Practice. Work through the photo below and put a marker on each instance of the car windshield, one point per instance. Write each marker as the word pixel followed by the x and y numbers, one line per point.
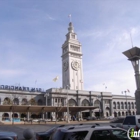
pixel 120 134
pixel 51 129
pixel 58 134
pixel 64 135
pixel 130 120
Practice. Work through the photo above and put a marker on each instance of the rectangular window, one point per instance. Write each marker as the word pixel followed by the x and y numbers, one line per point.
pixel 73 36
pixel 56 100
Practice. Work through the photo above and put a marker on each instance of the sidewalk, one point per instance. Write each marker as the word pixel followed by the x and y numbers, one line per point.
pixel 59 122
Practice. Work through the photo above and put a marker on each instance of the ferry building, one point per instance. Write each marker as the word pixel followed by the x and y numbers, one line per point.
pixel 72 93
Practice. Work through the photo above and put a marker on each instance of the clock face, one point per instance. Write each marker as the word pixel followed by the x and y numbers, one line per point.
pixel 65 66
pixel 75 65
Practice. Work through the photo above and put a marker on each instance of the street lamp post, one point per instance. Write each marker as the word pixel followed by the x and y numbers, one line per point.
pixel 98 97
pixel 126 103
pixel 68 121
pixel 133 55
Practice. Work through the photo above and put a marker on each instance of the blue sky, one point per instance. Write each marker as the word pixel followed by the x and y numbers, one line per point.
pixel 32 33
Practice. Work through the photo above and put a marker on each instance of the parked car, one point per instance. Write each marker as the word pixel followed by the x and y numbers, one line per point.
pixel 93 132
pixel 110 117
pixel 46 134
pixel 118 120
pixel 90 118
pixel 8 135
pixel 131 122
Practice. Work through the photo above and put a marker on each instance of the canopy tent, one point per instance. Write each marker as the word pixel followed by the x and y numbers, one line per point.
pixel 34 108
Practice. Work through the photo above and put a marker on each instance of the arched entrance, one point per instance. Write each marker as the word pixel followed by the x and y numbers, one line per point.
pixel 85 114
pixel 15 115
pixel 5 117
pixel 72 102
pixel 23 115
pixel 97 111
pixel 107 111
pixel 115 114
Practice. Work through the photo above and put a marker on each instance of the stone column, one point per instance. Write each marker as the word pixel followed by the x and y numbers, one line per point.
pixel 1 116
pixel 79 102
pixel 28 115
pixel 46 97
pixel 52 102
pixel 111 107
pixel 10 115
pixel 91 111
pixel 103 108
pixel 42 115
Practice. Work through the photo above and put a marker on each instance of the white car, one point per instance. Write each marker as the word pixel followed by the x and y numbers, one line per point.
pixel 90 133
pixel 131 122
pixel 110 117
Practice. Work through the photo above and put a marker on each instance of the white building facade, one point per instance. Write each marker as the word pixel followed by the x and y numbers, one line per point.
pixel 71 93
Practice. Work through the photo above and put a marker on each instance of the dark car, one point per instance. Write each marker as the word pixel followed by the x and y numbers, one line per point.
pixel 8 135
pixel 46 134
pixel 118 120
pixel 90 118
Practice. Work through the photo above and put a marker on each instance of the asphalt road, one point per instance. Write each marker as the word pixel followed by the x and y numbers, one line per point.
pixel 19 129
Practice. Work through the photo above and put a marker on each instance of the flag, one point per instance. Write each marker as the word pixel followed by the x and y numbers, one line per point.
pixel 56 78
pixel 69 17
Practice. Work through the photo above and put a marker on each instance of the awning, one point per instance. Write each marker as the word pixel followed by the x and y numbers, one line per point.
pixel 34 108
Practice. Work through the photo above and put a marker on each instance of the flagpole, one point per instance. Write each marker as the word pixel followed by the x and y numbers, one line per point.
pixel 126 102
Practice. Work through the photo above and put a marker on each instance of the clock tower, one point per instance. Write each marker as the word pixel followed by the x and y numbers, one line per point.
pixel 72 67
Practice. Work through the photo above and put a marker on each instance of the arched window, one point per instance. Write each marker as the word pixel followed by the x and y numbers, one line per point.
pixel 97 103
pixel 72 102
pixel 16 101
pixel 122 105
pixel 7 101
pixel 118 105
pixel 40 102
pixel 114 105
pixel 85 102
pixel 132 104
pixel 32 101
pixel 125 105
pixel 24 101
pixel 129 106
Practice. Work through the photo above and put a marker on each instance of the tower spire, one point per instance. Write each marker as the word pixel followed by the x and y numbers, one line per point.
pixel 71 28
